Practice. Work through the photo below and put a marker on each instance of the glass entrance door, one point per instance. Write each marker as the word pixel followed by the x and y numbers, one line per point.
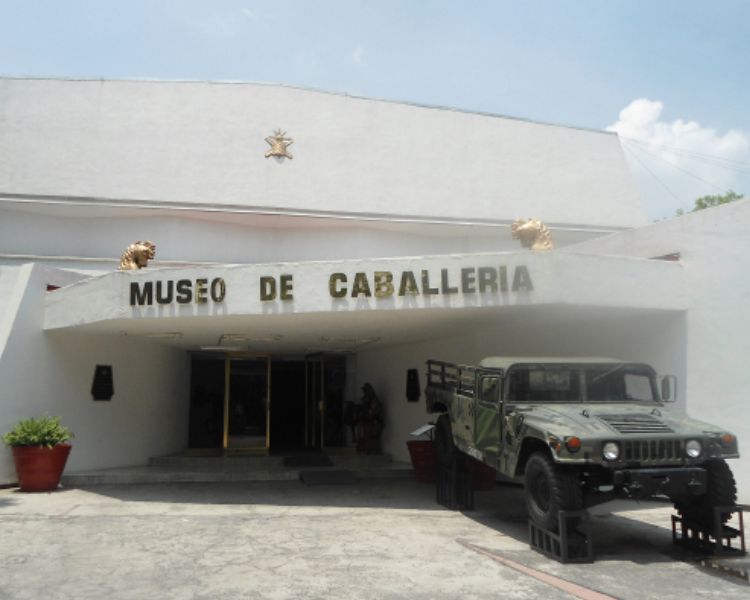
pixel 325 378
pixel 247 403
pixel 229 402
pixel 314 405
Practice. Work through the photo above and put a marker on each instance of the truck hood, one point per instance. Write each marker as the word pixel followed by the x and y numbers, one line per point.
pixel 612 419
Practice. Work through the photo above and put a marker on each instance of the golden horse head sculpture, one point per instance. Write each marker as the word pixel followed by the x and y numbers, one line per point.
pixel 533 234
pixel 137 255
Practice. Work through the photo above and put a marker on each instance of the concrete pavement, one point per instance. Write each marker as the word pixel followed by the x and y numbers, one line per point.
pixel 279 540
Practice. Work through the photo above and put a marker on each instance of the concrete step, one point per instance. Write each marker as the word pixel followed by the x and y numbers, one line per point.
pixel 177 469
pixel 149 474
pixel 229 462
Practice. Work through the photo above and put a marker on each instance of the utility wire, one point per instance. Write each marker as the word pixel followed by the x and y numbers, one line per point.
pixel 693 153
pixel 698 177
pixel 650 172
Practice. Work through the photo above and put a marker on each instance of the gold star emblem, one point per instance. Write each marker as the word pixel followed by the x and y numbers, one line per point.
pixel 279 144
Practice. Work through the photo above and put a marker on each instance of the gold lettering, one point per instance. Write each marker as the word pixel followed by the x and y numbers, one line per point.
pixel 267 289
pixel 361 286
pixel 383 284
pixel 487 279
pixel 522 280
pixel 408 284
pixel 333 289
pixel 286 287
pixel 426 289
pixel 503 272
pixel 218 290
pixel 468 281
pixel 445 288
pixel 201 289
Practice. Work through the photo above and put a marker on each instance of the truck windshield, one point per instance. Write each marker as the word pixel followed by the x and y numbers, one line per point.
pixel 610 382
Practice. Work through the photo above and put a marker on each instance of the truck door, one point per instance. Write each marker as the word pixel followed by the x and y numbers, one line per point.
pixel 487 417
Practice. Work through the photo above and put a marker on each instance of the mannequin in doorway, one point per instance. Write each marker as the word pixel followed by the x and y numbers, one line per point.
pixel 369 421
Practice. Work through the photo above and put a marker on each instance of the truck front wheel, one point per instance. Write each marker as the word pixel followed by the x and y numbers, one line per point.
pixel 721 490
pixel 550 489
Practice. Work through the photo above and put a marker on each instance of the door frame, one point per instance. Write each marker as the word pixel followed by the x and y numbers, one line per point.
pixel 317 382
pixel 314 412
pixel 228 356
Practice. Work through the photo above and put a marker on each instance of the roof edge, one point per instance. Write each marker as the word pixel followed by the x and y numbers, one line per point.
pixel 309 89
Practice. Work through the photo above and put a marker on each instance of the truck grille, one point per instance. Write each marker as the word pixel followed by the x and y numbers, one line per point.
pixel 635 424
pixel 652 450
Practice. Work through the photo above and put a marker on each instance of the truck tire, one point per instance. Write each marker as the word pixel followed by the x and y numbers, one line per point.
pixel 447 453
pixel 550 488
pixel 721 490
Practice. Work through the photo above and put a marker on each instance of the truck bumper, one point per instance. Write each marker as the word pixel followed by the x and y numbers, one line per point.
pixel 642 483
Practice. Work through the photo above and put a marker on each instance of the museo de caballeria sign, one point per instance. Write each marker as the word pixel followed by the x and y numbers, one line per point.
pixel 340 285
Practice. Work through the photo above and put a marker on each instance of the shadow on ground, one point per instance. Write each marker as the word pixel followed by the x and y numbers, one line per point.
pixel 380 493
pixel 617 537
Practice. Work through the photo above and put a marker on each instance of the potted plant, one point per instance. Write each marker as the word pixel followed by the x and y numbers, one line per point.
pixel 40 452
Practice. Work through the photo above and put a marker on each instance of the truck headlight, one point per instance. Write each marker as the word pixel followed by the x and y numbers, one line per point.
pixel 693 449
pixel 611 451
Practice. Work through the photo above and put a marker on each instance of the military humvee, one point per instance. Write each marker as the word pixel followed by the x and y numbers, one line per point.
pixel 580 431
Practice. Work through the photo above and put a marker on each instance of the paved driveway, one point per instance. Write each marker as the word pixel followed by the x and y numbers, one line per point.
pixel 375 539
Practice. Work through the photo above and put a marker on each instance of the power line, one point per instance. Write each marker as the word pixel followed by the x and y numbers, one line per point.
pixel 650 172
pixel 698 177
pixel 693 153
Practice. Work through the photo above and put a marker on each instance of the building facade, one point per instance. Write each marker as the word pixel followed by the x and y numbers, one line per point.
pixel 308 243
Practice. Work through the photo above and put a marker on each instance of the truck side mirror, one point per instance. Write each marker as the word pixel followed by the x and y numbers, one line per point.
pixel 669 388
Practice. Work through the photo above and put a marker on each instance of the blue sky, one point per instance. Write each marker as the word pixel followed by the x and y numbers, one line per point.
pixel 682 68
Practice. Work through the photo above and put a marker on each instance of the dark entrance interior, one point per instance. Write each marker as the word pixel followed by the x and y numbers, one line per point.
pixel 207 375
pixel 287 405
pixel 231 407
pixel 325 382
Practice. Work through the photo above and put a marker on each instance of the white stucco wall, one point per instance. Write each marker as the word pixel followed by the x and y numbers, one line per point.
pixel 52 374
pixel 714 246
pixel 94 238
pixel 196 143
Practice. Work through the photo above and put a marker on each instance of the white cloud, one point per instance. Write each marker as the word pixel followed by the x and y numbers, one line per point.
pixel 685 159
pixel 358 55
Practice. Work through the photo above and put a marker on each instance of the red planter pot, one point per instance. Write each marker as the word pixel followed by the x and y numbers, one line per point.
pixel 423 459
pixel 38 468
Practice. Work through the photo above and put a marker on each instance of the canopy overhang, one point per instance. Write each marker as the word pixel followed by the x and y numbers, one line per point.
pixel 351 304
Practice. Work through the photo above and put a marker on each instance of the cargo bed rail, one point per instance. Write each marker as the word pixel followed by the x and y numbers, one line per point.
pixel 460 379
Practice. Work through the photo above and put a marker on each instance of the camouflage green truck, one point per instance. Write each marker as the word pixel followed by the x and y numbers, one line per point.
pixel 580 431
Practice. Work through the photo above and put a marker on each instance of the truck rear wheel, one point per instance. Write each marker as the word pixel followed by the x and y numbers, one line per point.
pixel 721 490
pixel 550 489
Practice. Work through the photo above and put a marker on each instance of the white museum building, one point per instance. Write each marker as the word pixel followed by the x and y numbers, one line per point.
pixel 308 243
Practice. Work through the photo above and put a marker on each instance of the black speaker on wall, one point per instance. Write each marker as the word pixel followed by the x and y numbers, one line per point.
pixel 413 391
pixel 103 386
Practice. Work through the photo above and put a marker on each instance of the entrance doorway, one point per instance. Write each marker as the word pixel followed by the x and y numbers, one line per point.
pixel 247 411
pixel 251 403
pixel 288 405
pixel 229 402
pixel 325 385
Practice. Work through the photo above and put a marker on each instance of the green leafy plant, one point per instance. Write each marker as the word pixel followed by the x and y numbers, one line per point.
pixel 709 201
pixel 44 431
